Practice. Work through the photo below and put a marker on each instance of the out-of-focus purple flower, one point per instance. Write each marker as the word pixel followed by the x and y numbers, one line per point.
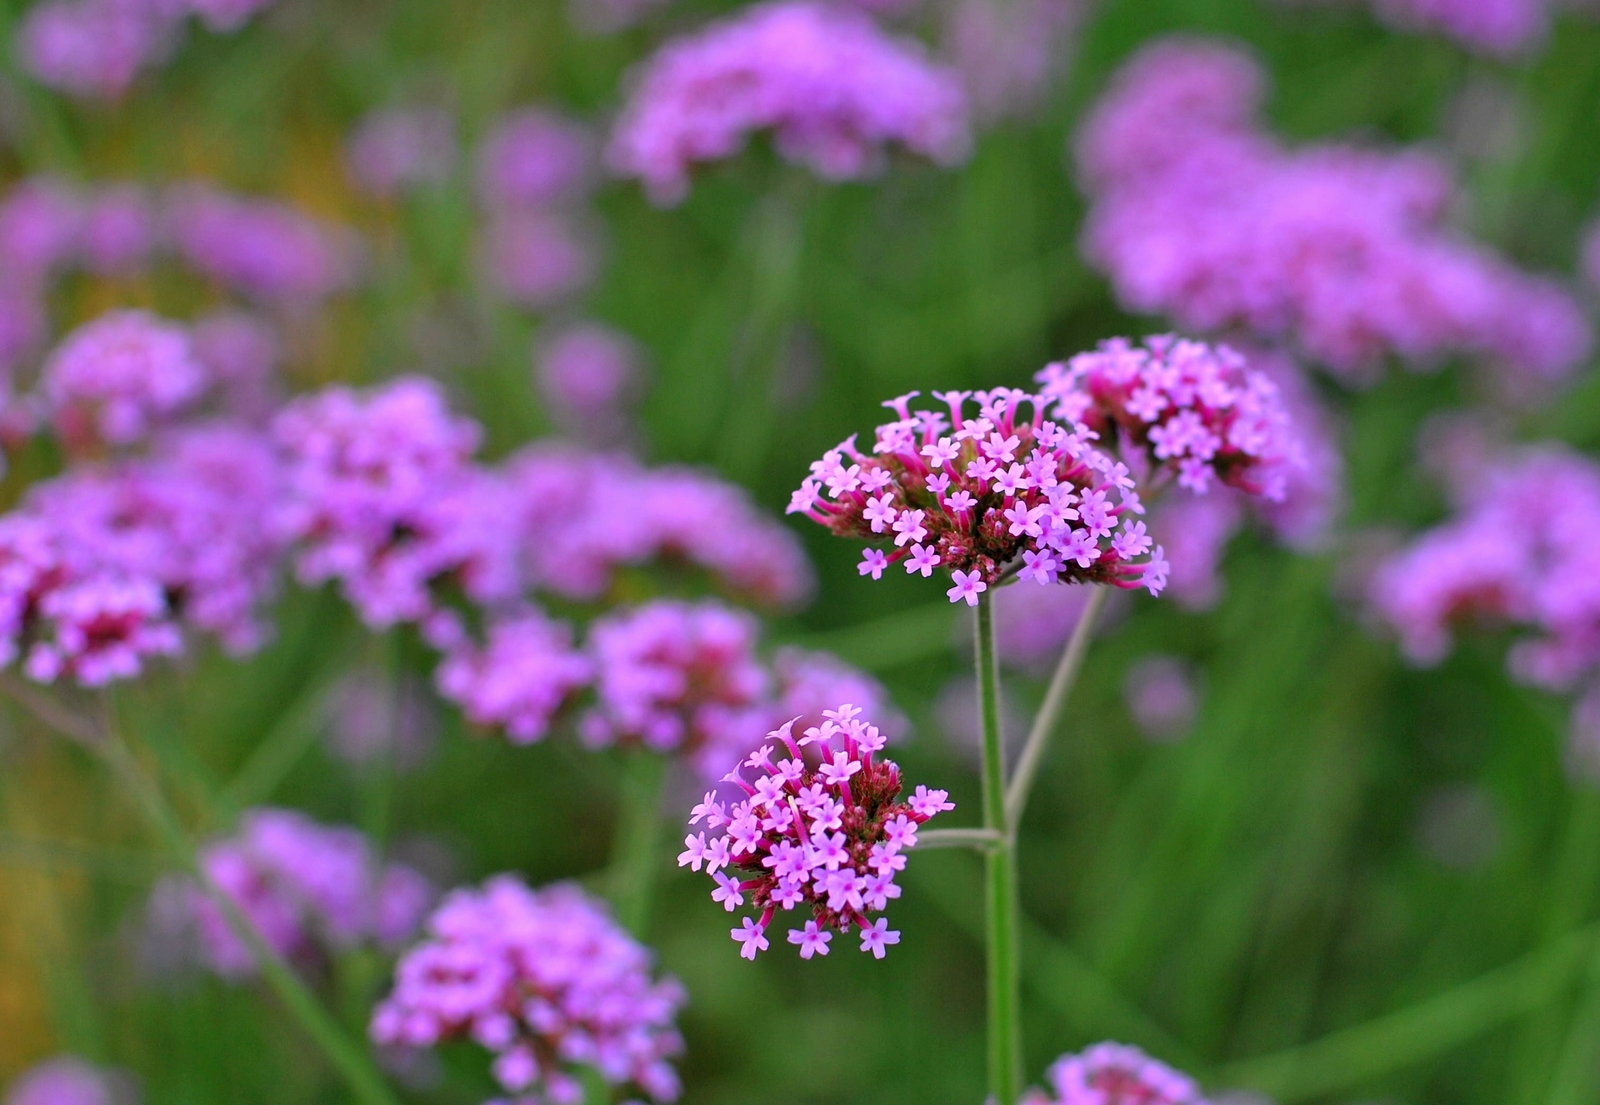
pixel 119 230
pixel 533 158
pixel 956 710
pixel 23 326
pixel 548 982
pixel 1116 1074
pixel 114 380
pixel 832 88
pixel 381 495
pixel 1497 27
pixel 1160 695
pixel 393 150
pixel 677 677
pixel 1340 251
pixel 810 682
pixel 261 248
pixel 374 717
pixel 241 353
pixel 586 373
pixel 518 681
pixel 1007 492
pixel 584 515
pixel 1196 531
pixel 1188 411
pixel 69 1080
pixel 307 888
pixel 537 258
pixel 825 831
pixel 92 48
pixel 41 230
pixel 1009 53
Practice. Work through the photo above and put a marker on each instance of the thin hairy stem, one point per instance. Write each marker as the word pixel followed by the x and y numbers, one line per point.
pixel 636 852
pixel 980 839
pixel 104 739
pixel 1000 879
pixel 1044 722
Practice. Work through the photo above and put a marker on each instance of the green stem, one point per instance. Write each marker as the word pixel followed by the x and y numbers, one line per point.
pixel 636 852
pixel 1575 1081
pixel 1000 879
pixel 366 1086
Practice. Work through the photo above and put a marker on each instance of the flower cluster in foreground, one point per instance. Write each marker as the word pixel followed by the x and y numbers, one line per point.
pixel 1115 1074
pixel 306 888
pixel 981 498
pixel 1339 251
pixel 833 89
pixel 824 830
pixel 546 980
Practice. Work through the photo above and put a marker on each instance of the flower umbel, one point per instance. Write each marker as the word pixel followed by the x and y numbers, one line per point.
pixel 1007 493
pixel 826 831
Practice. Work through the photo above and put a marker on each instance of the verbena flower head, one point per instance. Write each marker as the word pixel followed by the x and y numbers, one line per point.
pixel 1116 1074
pixel 538 258
pixel 584 516
pixel 309 889
pixel 548 982
pixel 381 495
pixel 393 150
pixel 241 352
pixel 677 677
pixel 1187 410
pixel 102 567
pixel 91 48
pixel 1521 551
pixel 822 828
pixel 533 157
pixel 519 679
pixel 585 373
pixel 113 380
pixel 1008 492
pixel 832 88
pixel 41 229
pixel 261 248
pixel 66 1080
pixel 119 230
pixel 1340 251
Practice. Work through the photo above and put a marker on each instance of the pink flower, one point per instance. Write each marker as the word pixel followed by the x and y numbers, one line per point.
pixel 393 150
pixel 1058 496
pixel 548 982
pixel 520 679
pixel 535 158
pixel 1118 1074
pixel 825 831
pixel 113 380
pixel 832 87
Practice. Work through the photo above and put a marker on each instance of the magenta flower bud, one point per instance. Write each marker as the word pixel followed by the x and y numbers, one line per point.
pixel 113 380
pixel 393 150
pixel 548 982
pixel 823 827
pixel 1007 493
pixel 834 90
pixel 534 157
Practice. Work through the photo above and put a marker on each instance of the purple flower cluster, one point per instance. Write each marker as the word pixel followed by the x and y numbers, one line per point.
pixel 985 498
pixel 1009 52
pixel 1185 409
pixel 308 889
pixel 548 982
pixel 828 84
pixel 1501 28
pixel 519 679
pixel 393 150
pixel 1521 551
pixel 584 516
pixel 95 48
pixel 113 380
pixel 534 167
pixel 825 831
pixel 68 1080
pixel 1115 1074
pixel 261 248
pixel 585 373
pixel 101 567
pixel 1198 214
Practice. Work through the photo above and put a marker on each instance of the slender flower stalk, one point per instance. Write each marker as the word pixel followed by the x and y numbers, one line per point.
pixel 365 1084
pixel 638 840
pixel 1000 879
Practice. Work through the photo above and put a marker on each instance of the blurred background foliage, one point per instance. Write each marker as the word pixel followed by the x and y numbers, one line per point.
pixel 1348 881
